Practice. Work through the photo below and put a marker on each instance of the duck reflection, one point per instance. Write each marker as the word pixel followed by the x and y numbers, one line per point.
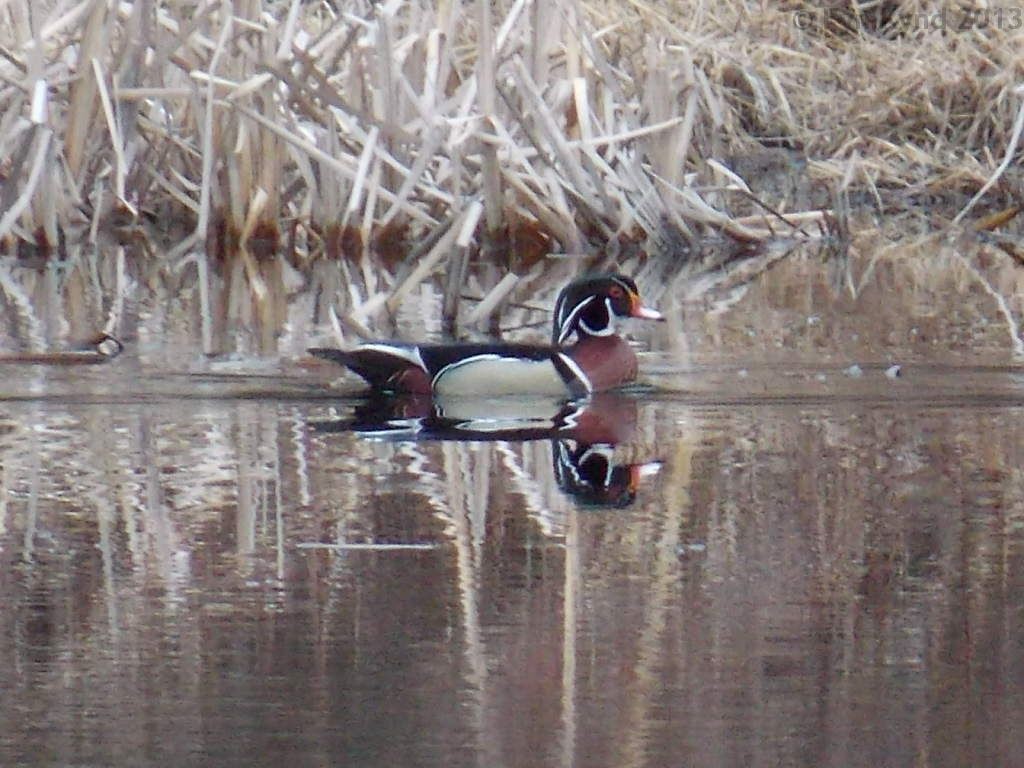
pixel 591 476
pixel 584 434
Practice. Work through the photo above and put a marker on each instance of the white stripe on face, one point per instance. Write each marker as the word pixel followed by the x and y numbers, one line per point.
pixel 625 286
pixel 609 327
pixel 571 322
pixel 568 325
pixel 606 452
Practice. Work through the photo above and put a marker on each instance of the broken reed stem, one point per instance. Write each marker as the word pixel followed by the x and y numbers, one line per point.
pixel 206 179
pixel 459 266
pixel 493 206
pixel 40 135
pixel 425 265
pixel 456 103
pixel 590 124
pixel 486 307
pixel 1011 150
pixel 1012 326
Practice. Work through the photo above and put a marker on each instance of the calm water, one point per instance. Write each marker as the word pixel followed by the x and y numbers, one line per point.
pixel 829 575
pixel 778 555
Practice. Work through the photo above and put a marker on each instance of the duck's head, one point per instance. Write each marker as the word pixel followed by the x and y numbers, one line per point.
pixel 588 307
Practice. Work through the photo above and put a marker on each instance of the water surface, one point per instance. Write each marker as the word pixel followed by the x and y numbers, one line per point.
pixel 825 572
pixel 200 564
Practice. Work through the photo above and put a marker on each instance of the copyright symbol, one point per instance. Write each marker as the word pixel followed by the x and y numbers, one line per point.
pixel 803 19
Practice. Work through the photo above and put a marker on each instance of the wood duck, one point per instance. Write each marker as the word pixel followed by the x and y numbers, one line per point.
pixel 585 354
pixel 583 435
pixel 607 417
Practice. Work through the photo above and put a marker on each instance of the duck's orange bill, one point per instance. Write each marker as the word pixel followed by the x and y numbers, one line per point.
pixel 638 472
pixel 636 309
pixel 639 310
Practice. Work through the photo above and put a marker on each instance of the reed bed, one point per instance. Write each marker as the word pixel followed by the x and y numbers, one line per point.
pixel 257 138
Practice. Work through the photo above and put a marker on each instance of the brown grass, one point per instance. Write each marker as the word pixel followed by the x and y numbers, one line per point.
pixel 352 131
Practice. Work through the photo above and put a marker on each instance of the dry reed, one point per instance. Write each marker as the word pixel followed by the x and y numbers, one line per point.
pixel 256 128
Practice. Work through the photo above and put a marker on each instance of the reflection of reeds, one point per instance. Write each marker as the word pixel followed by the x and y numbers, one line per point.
pixel 842 548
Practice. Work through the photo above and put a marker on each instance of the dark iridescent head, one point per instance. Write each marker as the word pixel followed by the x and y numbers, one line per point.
pixel 590 474
pixel 588 307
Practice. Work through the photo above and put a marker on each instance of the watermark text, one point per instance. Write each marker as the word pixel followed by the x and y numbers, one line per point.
pixel 1005 18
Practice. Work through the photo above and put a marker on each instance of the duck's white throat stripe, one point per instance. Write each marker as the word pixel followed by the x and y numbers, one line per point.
pixel 609 327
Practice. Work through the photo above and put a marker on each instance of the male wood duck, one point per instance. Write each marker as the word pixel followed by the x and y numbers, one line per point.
pixel 608 417
pixel 583 435
pixel 585 355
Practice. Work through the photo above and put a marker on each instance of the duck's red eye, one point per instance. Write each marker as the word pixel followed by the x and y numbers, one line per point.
pixel 615 292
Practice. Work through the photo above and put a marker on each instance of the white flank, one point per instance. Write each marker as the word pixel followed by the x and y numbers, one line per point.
pixel 497 375
pixel 523 410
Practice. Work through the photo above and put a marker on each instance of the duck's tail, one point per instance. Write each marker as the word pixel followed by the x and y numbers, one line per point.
pixel 381 366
